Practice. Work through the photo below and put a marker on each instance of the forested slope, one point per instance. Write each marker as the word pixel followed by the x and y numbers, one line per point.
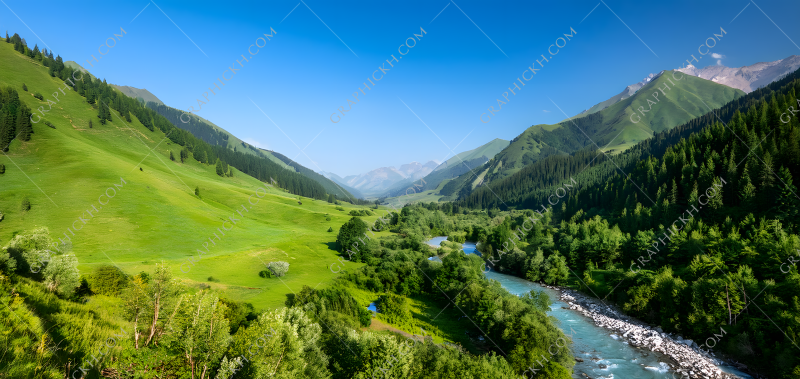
pixel 694 230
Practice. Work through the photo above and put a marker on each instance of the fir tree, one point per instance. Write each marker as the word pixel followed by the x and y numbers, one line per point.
pixel 747 191
pixel 171 156
pixel 197 191
pixel 24 87
pixel 90 124
pixel 766 183
pixel 220 172
pixel 787 204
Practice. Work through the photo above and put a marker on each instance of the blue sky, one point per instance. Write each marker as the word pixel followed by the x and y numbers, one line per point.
pixel 428 106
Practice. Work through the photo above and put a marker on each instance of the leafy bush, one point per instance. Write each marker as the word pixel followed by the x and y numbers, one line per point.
pixel 330 229
pixel 25 205
pixel 107 280
pixel 3 169
pixel 24 87
pixel 279 268
pixel 48 123
pixel 265 273
pixel 61 274
pixel 340 209
pixel 38 96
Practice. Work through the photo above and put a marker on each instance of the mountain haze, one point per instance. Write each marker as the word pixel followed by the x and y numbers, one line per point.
pixel 747 78
pixel 376 182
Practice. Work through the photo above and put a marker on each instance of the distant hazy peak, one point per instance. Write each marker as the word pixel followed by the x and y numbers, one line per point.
pixel 138 92
pixel 747 78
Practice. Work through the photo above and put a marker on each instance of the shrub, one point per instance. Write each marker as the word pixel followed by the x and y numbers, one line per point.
pixel 330 230
pixel 48 123
pixel 24 87
pixel 326 218
pixel 61 274
pixel 265 274
pixel 107 280
pixel 340 209
pixel 3 171
pixel 279 268
pixel 26 205
pixel 38 96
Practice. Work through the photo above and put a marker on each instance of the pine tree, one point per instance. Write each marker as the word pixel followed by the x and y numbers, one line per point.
pixel 101 111
pixel 747 191
pixel 2 169
pixel 197 191
pixel 90 124
pixel 24 87
pixel 171 156
pixel 766 183
pixel 220 172
pixel 787 204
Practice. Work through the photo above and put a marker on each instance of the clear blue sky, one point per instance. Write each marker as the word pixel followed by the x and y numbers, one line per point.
pixel 432 100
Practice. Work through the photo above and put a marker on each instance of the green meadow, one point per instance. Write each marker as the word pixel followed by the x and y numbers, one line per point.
pixel 155 216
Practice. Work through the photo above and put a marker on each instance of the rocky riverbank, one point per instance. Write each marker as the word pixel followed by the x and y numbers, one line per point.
pixel 689 361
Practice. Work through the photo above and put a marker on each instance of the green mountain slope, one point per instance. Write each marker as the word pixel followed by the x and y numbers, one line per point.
pixel 487 150
pixel 459 164
pixel 154 215
pixel 613 129
pixel 214 135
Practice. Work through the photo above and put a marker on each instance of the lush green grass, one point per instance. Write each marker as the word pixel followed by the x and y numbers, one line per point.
pixel 155 215
pixel 448 319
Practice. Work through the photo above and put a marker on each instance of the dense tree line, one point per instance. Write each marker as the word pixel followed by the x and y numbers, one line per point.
pixel 337 191
pixel 14 118
pixel 193 124
pixel 214 137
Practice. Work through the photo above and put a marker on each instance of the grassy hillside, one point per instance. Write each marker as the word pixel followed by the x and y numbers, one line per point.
pixel 155 215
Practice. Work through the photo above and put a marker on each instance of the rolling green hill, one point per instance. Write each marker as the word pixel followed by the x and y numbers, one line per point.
pixel 612 128
pixel 154 215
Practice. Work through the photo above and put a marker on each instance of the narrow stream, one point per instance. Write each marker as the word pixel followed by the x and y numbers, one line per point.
pixel 604 353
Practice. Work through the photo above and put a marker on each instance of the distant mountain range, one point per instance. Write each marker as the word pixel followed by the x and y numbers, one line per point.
pixel 747 78
pixel 374 183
